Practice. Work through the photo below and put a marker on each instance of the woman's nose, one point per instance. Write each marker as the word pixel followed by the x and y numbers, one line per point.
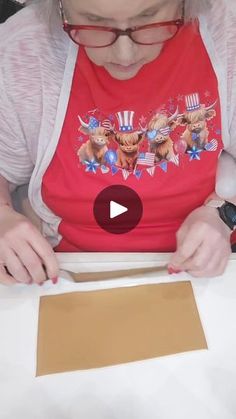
pixel 124 50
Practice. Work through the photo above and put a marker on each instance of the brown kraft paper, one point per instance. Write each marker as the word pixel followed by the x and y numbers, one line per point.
pixel 82 330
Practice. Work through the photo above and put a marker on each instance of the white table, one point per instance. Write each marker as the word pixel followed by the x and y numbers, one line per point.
pixel 196 385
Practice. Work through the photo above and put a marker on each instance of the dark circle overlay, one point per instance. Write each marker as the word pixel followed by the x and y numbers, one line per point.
pixel 122 223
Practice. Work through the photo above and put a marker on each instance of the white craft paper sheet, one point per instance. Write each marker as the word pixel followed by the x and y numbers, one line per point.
pixel 199 384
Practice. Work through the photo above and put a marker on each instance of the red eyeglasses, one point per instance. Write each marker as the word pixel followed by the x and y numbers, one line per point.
pixel 103 36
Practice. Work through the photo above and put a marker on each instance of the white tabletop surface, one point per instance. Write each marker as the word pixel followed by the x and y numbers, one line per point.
pixel 193 385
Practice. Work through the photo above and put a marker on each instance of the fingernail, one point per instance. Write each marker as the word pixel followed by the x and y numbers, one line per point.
pixel 172 270
pixel 55 280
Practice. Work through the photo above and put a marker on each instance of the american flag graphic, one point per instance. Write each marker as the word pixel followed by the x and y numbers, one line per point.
pixel 165 130
pixel 93 123
pixel 212 145
pixel 106 123
pixel 146 159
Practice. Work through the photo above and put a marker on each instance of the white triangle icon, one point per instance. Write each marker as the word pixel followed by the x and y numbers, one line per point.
pixel 116 209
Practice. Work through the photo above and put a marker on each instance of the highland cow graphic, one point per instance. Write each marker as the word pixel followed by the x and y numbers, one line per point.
pixel 158 134
pixel 195 119
pixel 96 146
pixel 128 141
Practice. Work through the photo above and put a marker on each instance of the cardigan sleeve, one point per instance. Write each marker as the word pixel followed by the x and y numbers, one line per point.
pixel 15 161
pixel 32 61
pixel 226 46
pixel 231 77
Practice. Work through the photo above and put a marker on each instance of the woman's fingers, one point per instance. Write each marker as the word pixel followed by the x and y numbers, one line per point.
pixel 27 255
pixel 46 254
pixel 29 234
pixel 214 266
pixel 5 278
pixel 188 242
pixel 24 265
pixel 15 267
pixel 31 260
pixel 203 245
pixel 208 260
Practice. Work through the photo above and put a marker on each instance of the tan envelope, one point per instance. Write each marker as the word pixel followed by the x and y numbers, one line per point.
pixel 82 330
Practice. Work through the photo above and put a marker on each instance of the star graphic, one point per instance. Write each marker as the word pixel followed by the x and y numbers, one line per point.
pixel 194 153
pixel 207 93
pixel 92 165
pixel 93 111
pixel 180 98
pixel 142 120
pixel 171 107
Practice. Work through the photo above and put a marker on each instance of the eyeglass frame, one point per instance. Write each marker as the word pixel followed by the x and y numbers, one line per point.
pixel 120 32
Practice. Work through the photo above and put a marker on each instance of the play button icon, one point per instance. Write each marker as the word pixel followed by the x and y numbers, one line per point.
pixel 118 209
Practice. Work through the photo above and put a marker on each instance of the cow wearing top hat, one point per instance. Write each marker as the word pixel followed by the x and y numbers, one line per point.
pixel 195 119
pixel 128 141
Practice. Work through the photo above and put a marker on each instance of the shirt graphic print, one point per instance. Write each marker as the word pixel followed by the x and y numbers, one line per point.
pixel 158 133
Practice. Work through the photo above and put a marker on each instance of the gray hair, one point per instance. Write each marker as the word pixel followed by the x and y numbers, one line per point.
pixel 49 8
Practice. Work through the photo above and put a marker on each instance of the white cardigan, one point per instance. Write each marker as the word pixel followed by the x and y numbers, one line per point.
pixel 34 60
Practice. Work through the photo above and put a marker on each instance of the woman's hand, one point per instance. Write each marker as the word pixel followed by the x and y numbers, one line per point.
pixel 25 255
pixel 203 244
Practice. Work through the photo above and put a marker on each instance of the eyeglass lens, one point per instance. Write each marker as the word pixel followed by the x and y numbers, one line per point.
pixel 98 38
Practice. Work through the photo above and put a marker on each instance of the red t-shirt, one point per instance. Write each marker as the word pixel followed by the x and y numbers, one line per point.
pixel 170 114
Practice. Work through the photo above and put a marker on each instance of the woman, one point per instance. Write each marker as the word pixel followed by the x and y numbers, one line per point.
pixel 138 104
